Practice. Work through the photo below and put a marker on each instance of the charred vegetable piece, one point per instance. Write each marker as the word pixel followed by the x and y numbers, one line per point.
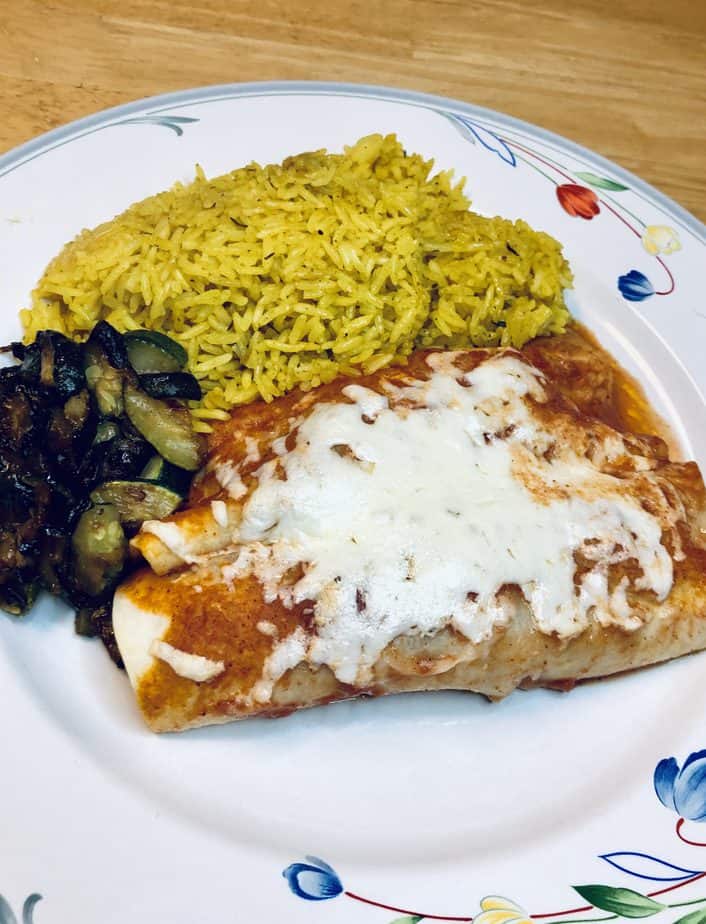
pixel 112 343
pixel 17 498
pixel 29 357
pixel 66 424
pixel 104 381
pixel 98 622
pixel 171 385
pixel 17 414
pixel 150 351
pixel 106 366
pixel 68 367
pixel 63 511
pixel 99 548
pixel 18 594
pixel 166 426
pixel 106 431
pixel 124 458
pixel 59 365
pixel 84 621
pixel 52 563
pixel 24 498
pixel 77 408
pixel 168 475
pixel 137 500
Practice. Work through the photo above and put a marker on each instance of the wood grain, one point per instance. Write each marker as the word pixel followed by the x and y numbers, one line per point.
pixel 623 77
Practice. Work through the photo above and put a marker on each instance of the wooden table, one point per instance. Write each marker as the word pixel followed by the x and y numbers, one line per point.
pixel 624 77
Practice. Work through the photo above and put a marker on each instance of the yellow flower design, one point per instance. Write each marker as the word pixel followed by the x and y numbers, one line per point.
pixel 498 910
pixel 660 239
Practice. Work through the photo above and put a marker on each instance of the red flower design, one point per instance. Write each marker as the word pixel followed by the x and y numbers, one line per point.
pixel 577 200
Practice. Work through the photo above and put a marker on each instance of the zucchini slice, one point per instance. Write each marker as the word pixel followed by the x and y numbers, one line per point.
pixel 150 351
pixel 137 500
pixel 166 474
pixel 171 385
pixel 154 470
pixel 106 431
pixel 166 426
pixel 99 548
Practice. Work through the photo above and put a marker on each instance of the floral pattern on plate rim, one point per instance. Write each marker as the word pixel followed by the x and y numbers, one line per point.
pixel 681 789
pixel 581 201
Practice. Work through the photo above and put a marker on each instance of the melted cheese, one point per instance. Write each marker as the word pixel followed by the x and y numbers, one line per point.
pixel 228 477
pixel 438 520
pixel 285 656
pixel 173 537
pixel 370 403
pixel 191 666
pixel 220 512
pixel 266 627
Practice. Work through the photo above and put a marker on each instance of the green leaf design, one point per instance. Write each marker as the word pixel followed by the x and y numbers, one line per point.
pixel 601 182
pixel 408 919
pixel 694 917
pixel 624 902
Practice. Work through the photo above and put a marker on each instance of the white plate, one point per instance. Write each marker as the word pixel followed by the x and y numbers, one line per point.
pixel 422 804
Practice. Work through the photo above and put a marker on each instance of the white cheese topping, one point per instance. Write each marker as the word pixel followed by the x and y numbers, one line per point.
pixel 191 666
pixel 284 657
pixel 220 512
pixel 438 520
pixel 370 403
pixel 173 537
pixel 228 477
pixel 266 627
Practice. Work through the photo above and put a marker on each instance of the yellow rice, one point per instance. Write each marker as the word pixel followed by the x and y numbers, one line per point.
pixel 286 275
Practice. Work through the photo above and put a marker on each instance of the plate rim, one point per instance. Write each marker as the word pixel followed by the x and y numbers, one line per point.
pixel 47 141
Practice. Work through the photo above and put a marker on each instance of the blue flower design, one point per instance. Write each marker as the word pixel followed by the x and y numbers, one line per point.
pixel 683 791
pixel 635 286
pixel 314 880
